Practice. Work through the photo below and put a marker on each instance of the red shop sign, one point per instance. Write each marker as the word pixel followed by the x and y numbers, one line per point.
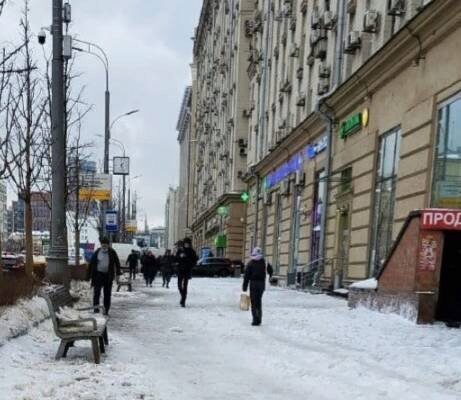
pixel 441 219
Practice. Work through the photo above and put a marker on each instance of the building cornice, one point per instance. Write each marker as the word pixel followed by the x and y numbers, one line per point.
pixel 184 114
pixel 223 200
pixel 201 26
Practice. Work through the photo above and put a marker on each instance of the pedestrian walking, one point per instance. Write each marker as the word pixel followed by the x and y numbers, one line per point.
pixel 186 258
pixel 255 277
pixel 103 268
pixel 149 267
pixel 132 262
pixel 167 268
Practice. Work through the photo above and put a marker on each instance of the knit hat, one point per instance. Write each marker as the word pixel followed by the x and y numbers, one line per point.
pixel 257 254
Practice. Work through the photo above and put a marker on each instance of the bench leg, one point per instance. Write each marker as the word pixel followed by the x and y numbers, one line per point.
pixel 129 287
pixel 62 350
pixel 106 337
pixel 95 347
pixel 118 288
pixel 66 349
pixel 101 344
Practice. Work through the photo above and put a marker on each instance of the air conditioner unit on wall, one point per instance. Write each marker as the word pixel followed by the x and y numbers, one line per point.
pixel 329 20
pixel 323 87
pixel 315 19
pixel 353 42
pixel 351 6
pixel 320 50
pixel 371 21
pixel 396 7
pixel 267 198
pixel 300 178
pixel 324 70
pixel 285 187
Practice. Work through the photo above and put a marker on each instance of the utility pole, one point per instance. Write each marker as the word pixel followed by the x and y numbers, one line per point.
pixel 124 209
pixel 58 270
pixel 106 204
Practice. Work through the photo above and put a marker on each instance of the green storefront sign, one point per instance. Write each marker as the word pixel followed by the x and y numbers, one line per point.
pixel 223 211
pixel 350 126
pixel 220 241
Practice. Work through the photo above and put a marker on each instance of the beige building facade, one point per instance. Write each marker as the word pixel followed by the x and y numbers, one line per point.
pixel 220 97
pixel 183 128
pixel 329 197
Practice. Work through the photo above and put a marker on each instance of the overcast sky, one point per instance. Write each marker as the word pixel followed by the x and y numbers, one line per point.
pixel 149 46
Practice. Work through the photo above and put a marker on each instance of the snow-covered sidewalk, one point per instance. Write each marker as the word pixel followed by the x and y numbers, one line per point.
pixel 309 347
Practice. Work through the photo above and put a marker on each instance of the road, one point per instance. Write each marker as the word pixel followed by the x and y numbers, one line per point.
pixel 309 347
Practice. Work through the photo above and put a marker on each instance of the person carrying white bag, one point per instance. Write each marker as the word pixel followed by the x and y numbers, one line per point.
pixel 255 277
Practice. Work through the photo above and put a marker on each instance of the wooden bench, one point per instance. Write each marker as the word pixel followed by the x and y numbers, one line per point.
pixel 123 282
pixel 69 331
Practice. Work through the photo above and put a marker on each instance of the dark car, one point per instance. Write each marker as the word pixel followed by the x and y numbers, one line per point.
pixel 213 266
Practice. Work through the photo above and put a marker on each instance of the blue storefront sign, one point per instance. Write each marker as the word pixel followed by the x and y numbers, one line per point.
pixel 295 163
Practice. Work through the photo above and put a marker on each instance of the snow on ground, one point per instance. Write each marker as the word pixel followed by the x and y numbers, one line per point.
pixel 19 319
pixel 309 347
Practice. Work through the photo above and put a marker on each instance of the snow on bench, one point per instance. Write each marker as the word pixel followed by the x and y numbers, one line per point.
pixel 72 324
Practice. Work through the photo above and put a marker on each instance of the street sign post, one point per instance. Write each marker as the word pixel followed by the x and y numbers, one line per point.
pixel 111 221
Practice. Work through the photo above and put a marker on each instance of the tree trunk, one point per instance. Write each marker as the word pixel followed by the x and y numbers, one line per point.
pixel 29 238
pixel 77 247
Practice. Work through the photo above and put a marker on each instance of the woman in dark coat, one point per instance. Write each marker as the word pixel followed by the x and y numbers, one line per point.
pixel 255 276
pixel 166 265
pixel 149 268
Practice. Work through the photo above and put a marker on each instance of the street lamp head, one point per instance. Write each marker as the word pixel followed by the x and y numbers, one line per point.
pixel 41 37
pixel 132 112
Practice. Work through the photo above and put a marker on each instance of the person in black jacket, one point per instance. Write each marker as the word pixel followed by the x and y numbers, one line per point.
pixel 166 265
pixel 255 276
pixel 103 268
pixel 149 267
pixel 186 258
pixel 132 262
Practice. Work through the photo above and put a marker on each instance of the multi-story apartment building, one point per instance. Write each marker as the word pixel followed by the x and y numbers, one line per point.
pixel 184 139
pixel 18 215
pixel 41 211
pixel 3 211
pixel 348 119
pixel 353 124
pixel 219 125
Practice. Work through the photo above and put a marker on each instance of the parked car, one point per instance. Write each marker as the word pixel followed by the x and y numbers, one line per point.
pixel 213 266
pixel 12 261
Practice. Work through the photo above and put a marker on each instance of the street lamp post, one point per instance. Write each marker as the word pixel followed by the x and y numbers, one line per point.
pixel 105 61
pixel 118 142
pixel 57 260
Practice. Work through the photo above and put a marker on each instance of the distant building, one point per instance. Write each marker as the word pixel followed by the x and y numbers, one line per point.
pixel 41 211
pixel 171 218
pixel 3 210
pixel 18 216
pixel 184 129
pixel 157 237
pixel 10 221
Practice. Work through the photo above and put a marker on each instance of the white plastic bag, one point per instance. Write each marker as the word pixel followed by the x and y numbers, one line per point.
pixel 244 302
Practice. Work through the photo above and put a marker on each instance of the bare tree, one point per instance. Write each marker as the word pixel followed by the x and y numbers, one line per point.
pixel 24 152
pixel 78 207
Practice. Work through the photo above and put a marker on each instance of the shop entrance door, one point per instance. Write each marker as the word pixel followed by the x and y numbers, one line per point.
pixel 449 301
pixel 342 258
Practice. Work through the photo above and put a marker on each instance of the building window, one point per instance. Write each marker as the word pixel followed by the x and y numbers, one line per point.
pixel 383 212
pixel 317 211
pixel 278 233
pixel 446 191
pixel 296 225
